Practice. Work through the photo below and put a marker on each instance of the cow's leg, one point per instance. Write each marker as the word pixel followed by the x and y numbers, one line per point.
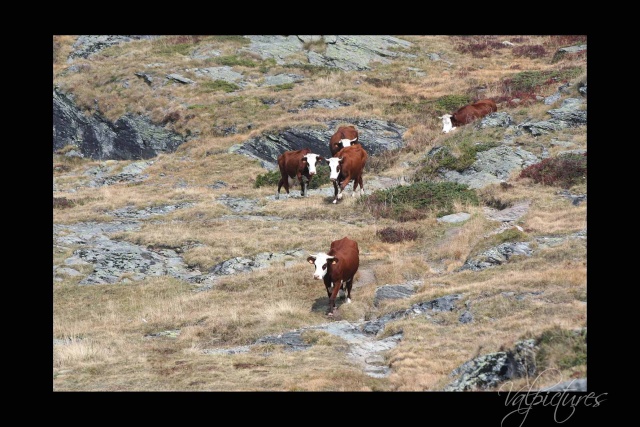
pixel 332 297
pixel 342 293
pixel 343 185
pixel 349 284
pixel 335 191
pixel 328 284
pixel 286 184
pixel 280 184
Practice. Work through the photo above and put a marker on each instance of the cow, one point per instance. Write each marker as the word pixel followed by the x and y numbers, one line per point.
pixel 345 166
pixel 337 269
pixel 467 114
pixel 345 136
pixel 297 164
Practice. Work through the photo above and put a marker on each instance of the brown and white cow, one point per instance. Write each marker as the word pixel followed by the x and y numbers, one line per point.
pixel 347 165
pixel 337 268
pixel 297 164
pixel 467 114
pixel 345 136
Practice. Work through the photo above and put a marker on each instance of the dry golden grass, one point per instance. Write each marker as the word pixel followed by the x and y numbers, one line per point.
pixel 107 329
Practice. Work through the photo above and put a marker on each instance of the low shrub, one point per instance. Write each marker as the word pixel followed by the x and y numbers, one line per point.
pixel 563 171
pixel 416 201
pixel 395 235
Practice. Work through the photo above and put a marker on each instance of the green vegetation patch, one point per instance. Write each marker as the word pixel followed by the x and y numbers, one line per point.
pixel 446 159
pixel 415 201
pixel 564 171
pixel 284 86
pixel 449 103
pixel 561 348
pixel 234 60
pixel 219 86
pixel 528 81
pixel 172 49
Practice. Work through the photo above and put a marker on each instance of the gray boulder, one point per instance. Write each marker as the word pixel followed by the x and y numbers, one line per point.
pixel 376 136
pixel 490 370
pixel 131 137
pixel 347 53
pixel 86 46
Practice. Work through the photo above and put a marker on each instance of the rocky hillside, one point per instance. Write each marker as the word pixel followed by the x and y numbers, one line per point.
pixel 175 267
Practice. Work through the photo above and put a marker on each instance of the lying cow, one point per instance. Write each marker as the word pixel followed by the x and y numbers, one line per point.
pixel 345 136
pixel 467 114
pixel 300 164
pixel 347 165
pixel 337 268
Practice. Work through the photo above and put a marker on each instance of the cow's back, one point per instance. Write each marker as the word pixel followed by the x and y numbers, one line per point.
pixel 348 254
pixel 471 112
pixel 343 132
pixel 490 103
pixel 354 158
pixel 290 160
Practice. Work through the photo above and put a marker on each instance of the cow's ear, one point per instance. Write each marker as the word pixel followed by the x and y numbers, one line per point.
pixel 340 159
pixel 311 260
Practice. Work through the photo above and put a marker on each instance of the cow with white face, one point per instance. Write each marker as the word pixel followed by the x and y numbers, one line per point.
pixel 300 164
pixel 345 136
pixel 347 165
pixel 337 268
pixel 447 126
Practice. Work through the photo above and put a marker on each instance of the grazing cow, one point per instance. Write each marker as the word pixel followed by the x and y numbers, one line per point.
pixel 467 114
pixel 297 164
pixel 347 165
pixel 337 268
pixel 345 136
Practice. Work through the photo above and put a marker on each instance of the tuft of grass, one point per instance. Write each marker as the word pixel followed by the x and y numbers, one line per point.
pixel 219 85
pixel 62 203
pixel 233 60
pixel 561 348
pixel 396 235
pixel 529 81
pixel 449 103
pixel 284 86
pixel 415 201
pixel 270 179
pixel 532 51
pixel 508 235
pixel 383 161
pixel 479 46
pixel 565 171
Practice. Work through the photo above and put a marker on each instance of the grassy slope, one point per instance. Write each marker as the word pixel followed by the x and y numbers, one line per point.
pixel 105 322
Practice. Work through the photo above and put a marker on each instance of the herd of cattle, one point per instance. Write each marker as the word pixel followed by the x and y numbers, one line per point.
pixel 338 267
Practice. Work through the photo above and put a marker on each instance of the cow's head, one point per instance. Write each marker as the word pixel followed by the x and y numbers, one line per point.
pixel 447 126
pixel 335 164
pixel 321 262
pixel 345 142
pixel 311 159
